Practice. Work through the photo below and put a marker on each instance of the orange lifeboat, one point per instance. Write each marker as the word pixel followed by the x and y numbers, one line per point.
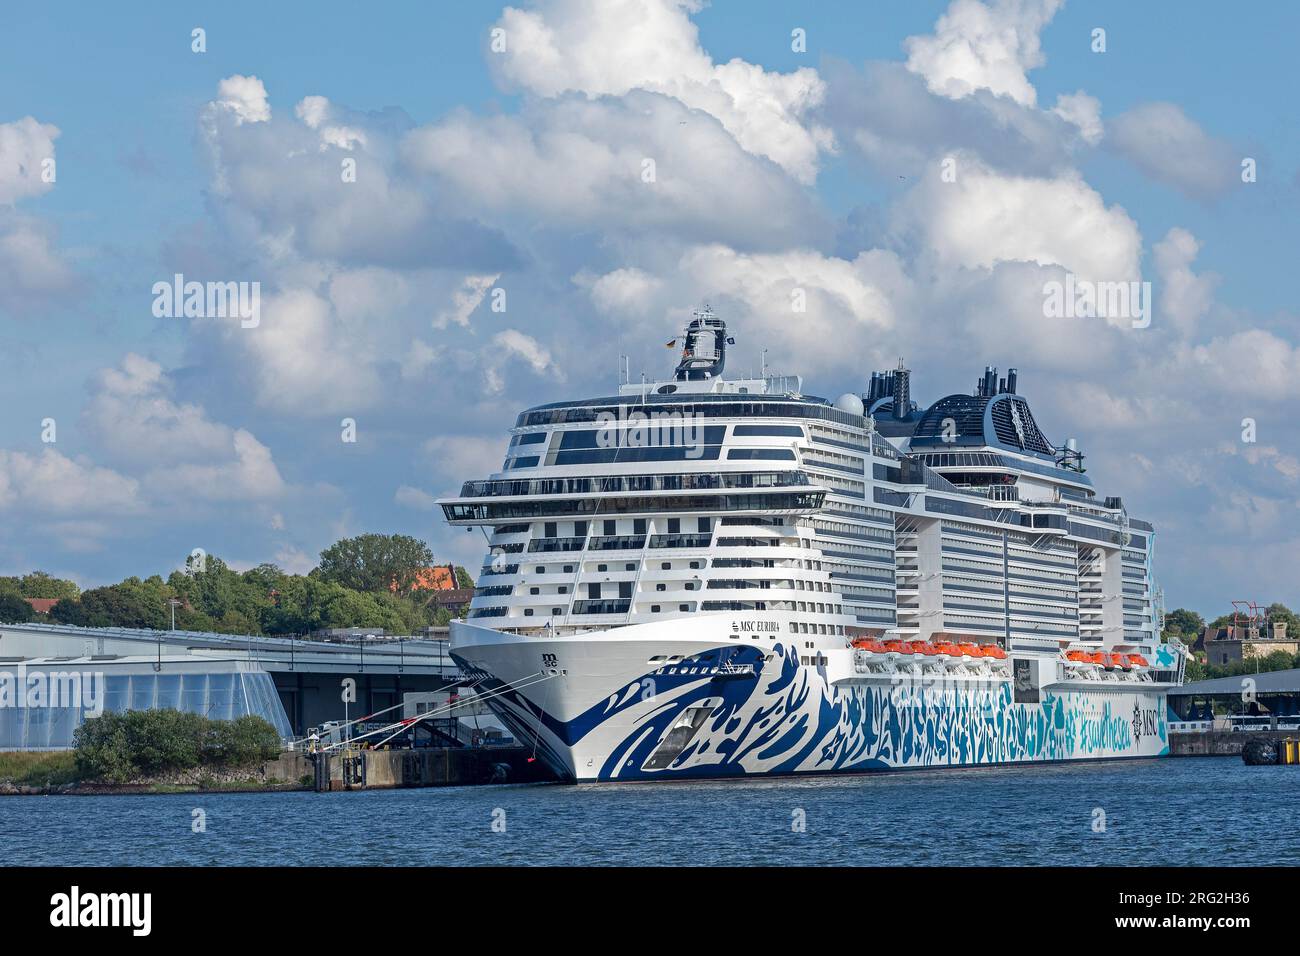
pixel 869 644
pixel 995 652
pixel 1121 661
pixel 971 650
pixel 898 647
pixel 1079 657
pixel 1098 658
pixel 947 649
pixel 925 648
pixel 1137 660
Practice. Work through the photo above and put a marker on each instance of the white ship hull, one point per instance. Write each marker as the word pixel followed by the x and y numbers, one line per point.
pixel 613 705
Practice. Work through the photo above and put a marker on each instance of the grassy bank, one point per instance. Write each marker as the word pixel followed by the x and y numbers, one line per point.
pixel 152 751
pixel 39 769
pixel 57 772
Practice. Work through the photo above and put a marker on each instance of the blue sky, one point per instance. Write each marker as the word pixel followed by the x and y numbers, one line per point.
pixel 518 170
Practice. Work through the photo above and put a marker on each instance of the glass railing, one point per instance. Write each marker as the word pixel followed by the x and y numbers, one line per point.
pixel 601 607
pixel 617 542
pixel 556 544
pixel 680 540
pixel 527 488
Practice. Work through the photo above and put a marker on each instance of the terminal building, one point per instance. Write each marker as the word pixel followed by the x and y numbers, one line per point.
pixel 53 676
pixel 1267 700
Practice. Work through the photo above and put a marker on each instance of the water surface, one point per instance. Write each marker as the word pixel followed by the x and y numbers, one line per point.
pixel 1181 812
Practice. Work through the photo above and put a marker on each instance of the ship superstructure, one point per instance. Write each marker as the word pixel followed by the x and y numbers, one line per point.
pixel 709 576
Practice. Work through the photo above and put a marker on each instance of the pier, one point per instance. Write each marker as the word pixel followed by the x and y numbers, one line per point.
pixel 1220 743
pixel 427 767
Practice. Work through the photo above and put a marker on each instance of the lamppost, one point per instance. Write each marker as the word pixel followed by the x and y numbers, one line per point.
pixel 173 603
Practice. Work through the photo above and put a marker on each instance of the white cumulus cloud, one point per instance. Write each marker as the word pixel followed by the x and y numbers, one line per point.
pixel 598 47
pixel 977 46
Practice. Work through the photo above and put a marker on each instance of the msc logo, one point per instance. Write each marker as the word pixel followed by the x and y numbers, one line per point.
pixel 1144 722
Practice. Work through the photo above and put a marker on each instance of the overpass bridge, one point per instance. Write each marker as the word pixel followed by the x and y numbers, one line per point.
pixel 308 674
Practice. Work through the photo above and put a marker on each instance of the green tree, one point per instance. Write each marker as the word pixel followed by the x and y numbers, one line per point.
pixel 130 603
pixel 228 601
pixel 375 562
pixel 38 584
pixel 1184 623
pixel 121 746
pixel 311 604
pixel 14 610
pixel 1279 613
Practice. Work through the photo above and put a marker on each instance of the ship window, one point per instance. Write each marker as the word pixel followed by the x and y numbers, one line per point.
pixel 611 527
pixel 555 612
pixel 528 612
pixel 695 565
pixel 568 569
pixel 541 569
pixel 661 587
pixel 534 590
pixel 704 524
pixel 593 592
pixel 781 431
pixel 550 529
pixel 683 607
pixel 564 589
pixel 602 567
pixel 760 454
pixel 638 525
pixel 654 609
pixel 674 525
pixel 579 529
pixel 629 567
pixel 666 566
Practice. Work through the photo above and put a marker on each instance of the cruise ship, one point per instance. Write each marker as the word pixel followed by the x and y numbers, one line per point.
pixel 715 577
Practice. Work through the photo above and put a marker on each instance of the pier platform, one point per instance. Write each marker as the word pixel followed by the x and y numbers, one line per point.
pixel 1219 743
pixel 427 767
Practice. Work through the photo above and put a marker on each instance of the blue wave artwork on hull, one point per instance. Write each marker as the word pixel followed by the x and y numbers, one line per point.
pixel 789 719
